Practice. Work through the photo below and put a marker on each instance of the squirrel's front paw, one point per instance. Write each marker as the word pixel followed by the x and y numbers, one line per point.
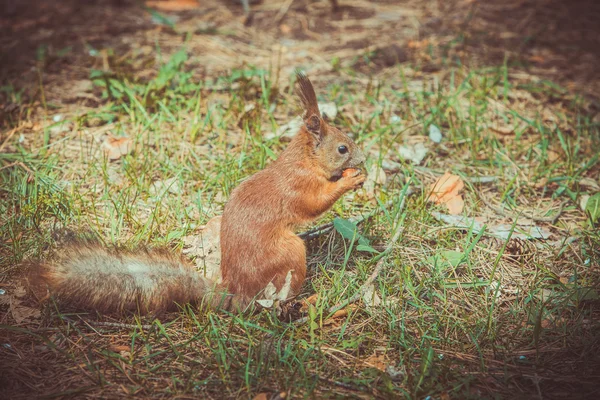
pixel 353 178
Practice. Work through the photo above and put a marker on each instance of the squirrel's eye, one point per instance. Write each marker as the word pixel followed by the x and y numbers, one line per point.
pixel 343 149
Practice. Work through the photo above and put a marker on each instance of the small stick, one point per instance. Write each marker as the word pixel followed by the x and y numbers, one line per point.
pixel 552 219
pixel 325 228
pixel 7 138
pixel 378 266
pixel 282 11
pixel 118 325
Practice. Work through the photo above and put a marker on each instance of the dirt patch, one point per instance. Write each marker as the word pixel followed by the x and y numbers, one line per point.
pixel 54 43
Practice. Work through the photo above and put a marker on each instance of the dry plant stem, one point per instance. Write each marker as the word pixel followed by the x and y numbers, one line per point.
pixel 7 138
pixel 552 220
pixel 282 11
pixel 325 228
pixel 119 325
pixel 378 267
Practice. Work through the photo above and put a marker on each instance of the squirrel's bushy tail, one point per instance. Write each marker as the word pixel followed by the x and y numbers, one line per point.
pixel 90 277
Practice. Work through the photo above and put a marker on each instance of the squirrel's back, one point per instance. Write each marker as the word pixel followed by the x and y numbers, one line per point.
pixel 90 277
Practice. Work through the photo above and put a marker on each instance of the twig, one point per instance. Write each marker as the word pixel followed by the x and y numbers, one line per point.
pixel 325 228
pixel 12 164
pixel 482 179
pixel 282 11
pixel 19 163
pixel 552 219
pixel 7 139
pixel 118 325
pixel 378 267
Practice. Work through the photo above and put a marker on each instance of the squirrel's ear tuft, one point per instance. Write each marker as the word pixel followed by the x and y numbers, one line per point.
pixel 306 93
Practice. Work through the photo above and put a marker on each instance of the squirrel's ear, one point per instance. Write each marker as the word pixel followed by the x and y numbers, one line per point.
pixel 313 125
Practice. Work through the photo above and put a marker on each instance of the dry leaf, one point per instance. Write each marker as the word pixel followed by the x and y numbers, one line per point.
pixel 564 280
pixel 536 59
pixel 328 109
pixel 417 44
pixel 435 134
pixel 117 348
pixel 446 191
pixel 344 311
pixel 553 156
pixel 309 301
pixel 546 323
pixel 285 29
pixel 115 148
pixel 19 291
pixel 377 361
pixel 170 185
pixel 270 294
pixel 340 313
pixel 375 177
pixel 583 200
pixel 415 153
pixel 589 182
pixel 172 5
pixel 312 299
pixel 206 247
pixel 370 297
pixel 22 313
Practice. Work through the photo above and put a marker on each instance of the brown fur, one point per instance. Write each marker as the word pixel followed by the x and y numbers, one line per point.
pixel 258 244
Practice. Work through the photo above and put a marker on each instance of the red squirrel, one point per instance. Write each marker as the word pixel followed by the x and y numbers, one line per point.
pixel 258 243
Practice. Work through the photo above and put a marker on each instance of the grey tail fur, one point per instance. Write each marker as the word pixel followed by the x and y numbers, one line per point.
pixel 92 278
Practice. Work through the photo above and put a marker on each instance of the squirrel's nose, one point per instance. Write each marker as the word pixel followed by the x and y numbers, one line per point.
pixel 359 157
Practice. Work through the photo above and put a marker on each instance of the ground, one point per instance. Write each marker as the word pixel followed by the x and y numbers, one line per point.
pixel 133 124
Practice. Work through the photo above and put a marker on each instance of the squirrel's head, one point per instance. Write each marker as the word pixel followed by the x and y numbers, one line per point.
pixel 334 150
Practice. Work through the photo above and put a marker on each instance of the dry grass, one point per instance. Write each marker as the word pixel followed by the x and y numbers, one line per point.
pixel 505 319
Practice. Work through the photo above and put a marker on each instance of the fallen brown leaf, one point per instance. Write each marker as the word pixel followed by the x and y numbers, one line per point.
pixel 564 280
pixel 553 156
pixel 537 59
pixel 375 178
pixel 344 311
pixel 312 299
pixel 377 361
pixel 446 191
pixel 306 303
pixel 23 313
pixel 417 44
pixel 206 247
pixel 285 29
pixel 275 396
pixel 117 348
pixel 117 147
